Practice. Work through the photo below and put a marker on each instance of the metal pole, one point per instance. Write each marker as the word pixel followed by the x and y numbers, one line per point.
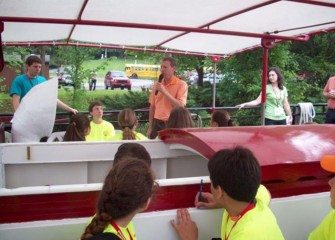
pixel 266 44
pixel 214 86
pixel 264 80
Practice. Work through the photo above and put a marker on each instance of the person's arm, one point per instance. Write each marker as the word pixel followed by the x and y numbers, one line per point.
pixel 328 94
pixel 255 102
pixel 151 119
pixel 288 110
pixel 65 107
pixel 151 111
pixel 174 101
pixel 15 102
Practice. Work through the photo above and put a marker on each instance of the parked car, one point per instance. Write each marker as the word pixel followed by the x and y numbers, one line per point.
pixel 117 79
pixel 209 78
pixel 65 80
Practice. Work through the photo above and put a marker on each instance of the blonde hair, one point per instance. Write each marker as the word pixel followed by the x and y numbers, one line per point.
pixel 128 122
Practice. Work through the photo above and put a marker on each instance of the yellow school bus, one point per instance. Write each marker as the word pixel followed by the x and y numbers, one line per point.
pixel 144 71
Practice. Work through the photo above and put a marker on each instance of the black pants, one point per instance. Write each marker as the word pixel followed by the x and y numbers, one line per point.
pixel 330 116
pixel 93 84
pixel 157 125
pixel 275 122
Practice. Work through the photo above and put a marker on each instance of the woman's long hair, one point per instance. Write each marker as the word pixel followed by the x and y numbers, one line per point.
pixel 127 188
pixel 222 118
pixel 180 117
pixel 78 128
pixel 280 78
pixel 128 121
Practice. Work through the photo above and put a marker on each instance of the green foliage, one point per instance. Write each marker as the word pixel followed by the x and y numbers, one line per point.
pixel 200 96
pixel 130 99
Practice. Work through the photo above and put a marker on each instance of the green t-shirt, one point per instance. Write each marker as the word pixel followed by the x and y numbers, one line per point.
pixel 138 136
pixel 258 223
pixel 325 230
pixel 275 100
pixel 100 132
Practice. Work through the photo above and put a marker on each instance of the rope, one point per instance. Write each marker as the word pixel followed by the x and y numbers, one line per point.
pixel 307 112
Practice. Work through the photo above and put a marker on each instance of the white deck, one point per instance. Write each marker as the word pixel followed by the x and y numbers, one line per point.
pixel 61 163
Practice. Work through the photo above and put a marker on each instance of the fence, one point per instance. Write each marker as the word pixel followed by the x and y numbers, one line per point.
pixel 250 116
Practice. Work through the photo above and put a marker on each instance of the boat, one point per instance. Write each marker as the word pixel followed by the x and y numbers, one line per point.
pixel 48 190
pixel 55 185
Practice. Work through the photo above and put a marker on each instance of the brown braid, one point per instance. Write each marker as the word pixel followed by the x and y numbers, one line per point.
pixel 127 121
pixel 99 222
pixel 126 189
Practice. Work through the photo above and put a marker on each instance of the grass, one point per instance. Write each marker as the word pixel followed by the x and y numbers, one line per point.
pixel 111 64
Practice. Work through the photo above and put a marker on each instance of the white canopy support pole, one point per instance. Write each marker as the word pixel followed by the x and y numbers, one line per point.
pixel 214 87
pixel 215 60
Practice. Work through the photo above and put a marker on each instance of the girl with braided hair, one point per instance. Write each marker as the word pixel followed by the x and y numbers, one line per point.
pixel 221 118
pixel 127 190
pixel 128 122
pixel 78 128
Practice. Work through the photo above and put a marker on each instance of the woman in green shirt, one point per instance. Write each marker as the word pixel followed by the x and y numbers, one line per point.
pixel 276 100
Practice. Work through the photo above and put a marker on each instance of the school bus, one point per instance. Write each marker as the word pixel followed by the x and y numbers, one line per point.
pixel 145 71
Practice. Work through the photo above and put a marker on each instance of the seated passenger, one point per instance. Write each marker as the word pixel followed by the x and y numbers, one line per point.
pixel 235 176
pixel 126 191
pixel 78 128
pixel 128 122
pixel 221 118
pixel 326 229
pixel 132 150
pixel 101 130
pixel 180 117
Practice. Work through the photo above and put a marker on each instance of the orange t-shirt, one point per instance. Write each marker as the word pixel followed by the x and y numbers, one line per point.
pixel 330 86
pixel 177 88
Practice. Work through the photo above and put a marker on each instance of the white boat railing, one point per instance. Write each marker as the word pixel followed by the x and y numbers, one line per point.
pixel 297 216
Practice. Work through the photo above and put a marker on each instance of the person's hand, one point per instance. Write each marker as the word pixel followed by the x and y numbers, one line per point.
pixel 206 201
pixel 160 87
pixel 290 120
pixel 185 227
pixel 331 94
pixel 240 106
pixel 149 132
pixel 74 111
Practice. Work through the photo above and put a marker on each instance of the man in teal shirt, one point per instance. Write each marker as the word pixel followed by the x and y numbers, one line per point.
pixel 22 84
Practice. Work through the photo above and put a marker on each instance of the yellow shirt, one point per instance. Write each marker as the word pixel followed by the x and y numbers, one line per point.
pixel 130 227
pixel 110 229
pixel 258 223
pixel 100 132
pixel 326 229
pixel 138 136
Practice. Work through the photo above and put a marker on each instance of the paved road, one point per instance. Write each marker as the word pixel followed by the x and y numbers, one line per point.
pixel 137 84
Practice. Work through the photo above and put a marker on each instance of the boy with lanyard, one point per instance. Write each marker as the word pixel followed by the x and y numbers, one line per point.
pixel 326 229
pixel 23 83
pixel 235 186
